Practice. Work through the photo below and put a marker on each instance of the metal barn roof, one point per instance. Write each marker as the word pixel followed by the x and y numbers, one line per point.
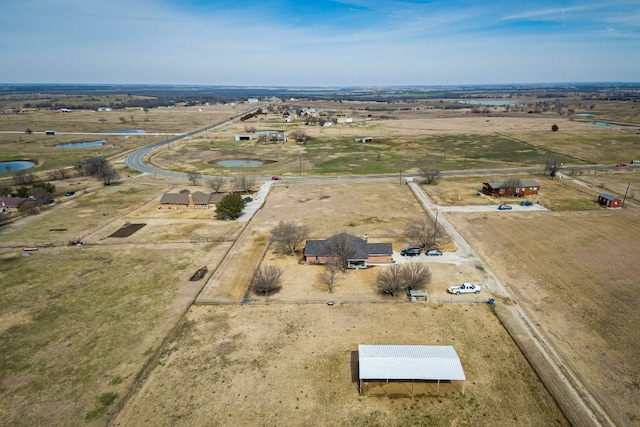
pixel 409 362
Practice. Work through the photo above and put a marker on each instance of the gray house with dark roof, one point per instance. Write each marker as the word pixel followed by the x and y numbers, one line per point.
pixel 319 251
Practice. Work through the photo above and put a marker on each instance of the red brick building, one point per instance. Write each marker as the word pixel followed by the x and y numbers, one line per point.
pixel 522 188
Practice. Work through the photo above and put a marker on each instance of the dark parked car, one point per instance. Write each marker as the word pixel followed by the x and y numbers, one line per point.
pixel 504 208
pixel 433 252
pixel 526 203
pixel 69 193
pixel 411 252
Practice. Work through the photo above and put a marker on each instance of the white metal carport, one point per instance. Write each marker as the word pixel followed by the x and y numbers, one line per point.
pixel 409 363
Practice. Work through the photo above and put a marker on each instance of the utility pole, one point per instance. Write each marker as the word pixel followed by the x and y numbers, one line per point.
pixel 625 195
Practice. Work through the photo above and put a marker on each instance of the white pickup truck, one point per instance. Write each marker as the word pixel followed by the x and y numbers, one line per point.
pixel 465 288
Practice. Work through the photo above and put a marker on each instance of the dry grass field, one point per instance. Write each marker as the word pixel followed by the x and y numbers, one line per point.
pixel 106 329
pixel 291 365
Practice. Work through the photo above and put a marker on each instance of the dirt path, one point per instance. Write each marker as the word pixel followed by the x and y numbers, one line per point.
pixel 578 404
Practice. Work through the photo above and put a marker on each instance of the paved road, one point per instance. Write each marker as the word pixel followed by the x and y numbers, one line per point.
pixel 135 160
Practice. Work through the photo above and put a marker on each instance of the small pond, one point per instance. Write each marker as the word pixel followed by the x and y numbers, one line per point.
pixel 126 131
pixel 84 144
pixel 598 123
pixel 15 165
pixel 493 103
pixel 239 163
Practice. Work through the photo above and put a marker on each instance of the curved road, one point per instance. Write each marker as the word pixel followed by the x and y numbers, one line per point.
pixel 135 160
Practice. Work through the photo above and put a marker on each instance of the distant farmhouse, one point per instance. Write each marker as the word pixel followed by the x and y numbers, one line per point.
pixel 318 251
pixel 520 188
pixel 10 204
pixel 188 200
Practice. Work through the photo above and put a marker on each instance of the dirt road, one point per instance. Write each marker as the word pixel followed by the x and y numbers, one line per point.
pixel 579 406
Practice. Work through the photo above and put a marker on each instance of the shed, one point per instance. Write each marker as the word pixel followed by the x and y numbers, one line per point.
pixel 411 368
pixel 417 294
pixel 609 201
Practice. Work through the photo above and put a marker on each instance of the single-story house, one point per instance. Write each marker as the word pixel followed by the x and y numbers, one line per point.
pixel 188 200
pixel 319 251
pixel 10 204
pixel 523 188
pixel 609 201
pixel 410 369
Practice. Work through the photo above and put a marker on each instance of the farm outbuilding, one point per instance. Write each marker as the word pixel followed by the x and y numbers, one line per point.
pixel 609 201
pixel 407 369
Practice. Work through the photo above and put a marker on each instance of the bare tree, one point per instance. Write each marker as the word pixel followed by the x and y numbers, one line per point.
pixel 22 177
pixel 102 120
pixel 341 247
pixel 194 177
pixel 300 136
pixel 287 236
pixel 415 275
pixel 108 175
pixel 429 172
pixel 59 174
pixel 266 279
pixel 216 183
pixel 424 231
pixel 330 275
pixel 389 280
pixel 395 278
pixel 244 183
pixel 512 182
pixel 551 168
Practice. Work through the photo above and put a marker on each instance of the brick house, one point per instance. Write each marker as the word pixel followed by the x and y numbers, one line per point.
pixel 498 188
pixel 188 200
pixel 318 252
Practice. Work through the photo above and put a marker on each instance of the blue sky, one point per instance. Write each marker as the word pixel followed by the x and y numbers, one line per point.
pixel 319 42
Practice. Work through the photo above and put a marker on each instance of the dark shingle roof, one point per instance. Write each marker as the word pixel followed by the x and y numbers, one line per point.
pixel 363 249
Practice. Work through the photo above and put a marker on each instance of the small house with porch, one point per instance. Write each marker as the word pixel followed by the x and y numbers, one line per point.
pixel 320 251
pixel 188 200
pixel 609 201
pixel 519 188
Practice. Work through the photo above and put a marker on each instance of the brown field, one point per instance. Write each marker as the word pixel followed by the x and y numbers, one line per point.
pixel 73 328
pixel 290 365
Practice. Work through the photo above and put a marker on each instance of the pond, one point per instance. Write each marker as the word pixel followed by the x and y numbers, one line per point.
pixel 493 103
pixel 239 163
pixel 98 143
pixel 15 165
pixel 126 131
pixel 598 123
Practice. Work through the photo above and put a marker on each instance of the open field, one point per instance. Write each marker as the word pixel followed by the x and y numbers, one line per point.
pixel 82 328
pixel 291 365
pixel 575 273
